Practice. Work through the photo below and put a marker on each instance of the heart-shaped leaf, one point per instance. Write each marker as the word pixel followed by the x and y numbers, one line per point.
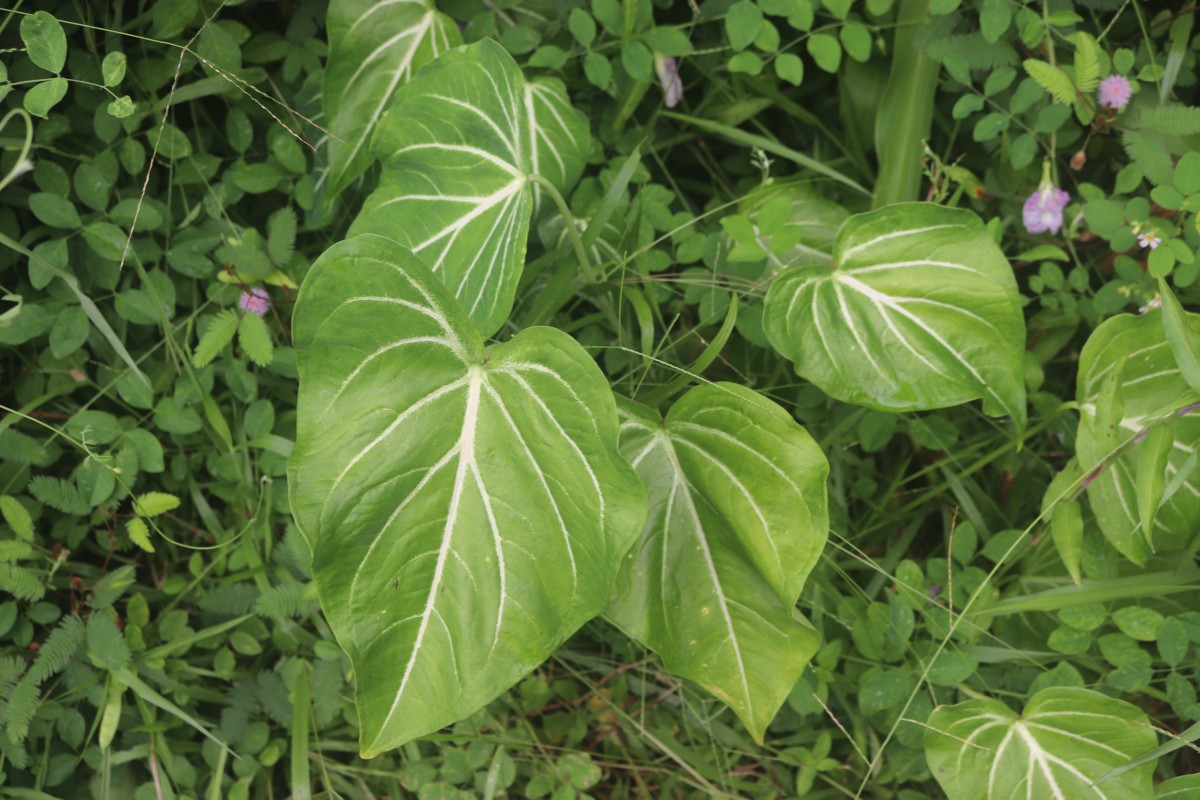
pixel 1149 384
pixel 462 145
pixel 919 310
pixel 1066 739
pixel 466 508
pixel 738 519
pixel 374 47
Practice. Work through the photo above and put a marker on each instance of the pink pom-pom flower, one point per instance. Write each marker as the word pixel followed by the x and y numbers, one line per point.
pixel 256 301
pixel 1114 92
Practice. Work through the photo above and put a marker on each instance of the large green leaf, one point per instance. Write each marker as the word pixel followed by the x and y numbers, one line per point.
pixel 466 508
pixel 738 519
pixel 811 225
pixel 461 144
pixel 1066 739
pixel 374 47
pixel 919 310
pixel 1148 386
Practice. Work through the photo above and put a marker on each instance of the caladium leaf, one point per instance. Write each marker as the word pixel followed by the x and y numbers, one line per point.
pixel 738 519
pixel 1128 364
pixel 919 310
pixel 466 508
pixel 1065 740
pixel 374 47
pixel 462 145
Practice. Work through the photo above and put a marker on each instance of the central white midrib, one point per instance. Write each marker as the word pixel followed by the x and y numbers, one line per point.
pixel 712 567
pixel 466 459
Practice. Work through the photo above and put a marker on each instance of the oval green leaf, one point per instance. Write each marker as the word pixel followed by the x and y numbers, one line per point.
pixel 1148 384
pixel 919 310
pixel 738 519
pixel 375 46
pixel 45 41
pixel 1066 739
pixel 45 96
pixel 466 508
pixel 461 144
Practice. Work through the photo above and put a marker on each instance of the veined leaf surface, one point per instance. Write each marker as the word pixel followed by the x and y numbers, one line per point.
pixel 1065 740
pixel 738 519
pixel 374 47
pixel 460 147
pixel 466 508
pixel 813 222
pixel 1150 384
pixel 919 310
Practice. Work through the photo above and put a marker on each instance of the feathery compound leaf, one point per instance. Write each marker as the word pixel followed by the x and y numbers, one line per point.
pixel 17 517
pixel 255 340
pixel 232 599
pixel 21 707
pixel 281 236
pixel 110 588
pixel 151 504
pixel 1052 79
pixel 216 338
pixel 106 644
pixel 59 647
pixel 12 550
pixel 57 493
pixel 282 602
pixel 20 448
pixel 1087 62
pixel 1151 156
pixel 1171 120
pixel 21 583
pixel 139 534
pixel 972 48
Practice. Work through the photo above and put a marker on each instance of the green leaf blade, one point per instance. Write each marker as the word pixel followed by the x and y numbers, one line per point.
pixel 1127 365
pixel 1066 739
pixel 466 509
pixel 375 46
pixel 460 146
pixel 919 311
pixel 739 518
pixel 45 41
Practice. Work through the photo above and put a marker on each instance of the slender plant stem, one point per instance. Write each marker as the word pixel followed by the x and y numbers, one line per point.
pixel 906 111
pixel 585 264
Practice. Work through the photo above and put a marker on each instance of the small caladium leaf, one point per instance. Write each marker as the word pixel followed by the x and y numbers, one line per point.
pixel 738 519
pixel 462 145
pixel 1066 739
pixel 466 508
pixel 919 310
pixel 375 46
pixel 1128 364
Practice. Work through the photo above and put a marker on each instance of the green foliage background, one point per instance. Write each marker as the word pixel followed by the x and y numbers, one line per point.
pixel 159 631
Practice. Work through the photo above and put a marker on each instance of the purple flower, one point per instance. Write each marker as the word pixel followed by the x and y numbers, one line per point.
pixel 1150 240
pixel 1114 92
pixel 1044 208
pixel 256 301
pixel 668 76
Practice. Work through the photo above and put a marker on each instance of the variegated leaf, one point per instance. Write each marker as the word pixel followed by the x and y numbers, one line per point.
pixel 461 146
pixel 919 310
